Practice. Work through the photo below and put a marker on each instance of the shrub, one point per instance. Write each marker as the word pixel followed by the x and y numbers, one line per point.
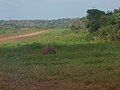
pixel 108 33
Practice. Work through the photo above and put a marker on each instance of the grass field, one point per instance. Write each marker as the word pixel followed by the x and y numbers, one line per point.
pixel 77 65
pixel 52 36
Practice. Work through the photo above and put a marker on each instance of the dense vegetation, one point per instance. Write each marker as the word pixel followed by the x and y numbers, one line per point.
pixel 104 26
pixel 41 24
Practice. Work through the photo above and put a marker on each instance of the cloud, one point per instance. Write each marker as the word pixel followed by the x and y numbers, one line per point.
pixel 48 9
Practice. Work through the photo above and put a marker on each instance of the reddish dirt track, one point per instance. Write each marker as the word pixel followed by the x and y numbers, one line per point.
pixel 22 36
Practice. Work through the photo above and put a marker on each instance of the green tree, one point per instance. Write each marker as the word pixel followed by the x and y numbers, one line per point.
pixel 94 19
pixel 107 20
pixel 117 17
pixel 116 10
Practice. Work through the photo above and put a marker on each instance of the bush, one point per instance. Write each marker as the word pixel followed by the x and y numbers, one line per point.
pixel 108 33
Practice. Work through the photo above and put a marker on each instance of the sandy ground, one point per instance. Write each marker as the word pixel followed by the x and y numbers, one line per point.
pixel 22 36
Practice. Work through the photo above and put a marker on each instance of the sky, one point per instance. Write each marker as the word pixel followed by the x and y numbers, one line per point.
pixel 51 9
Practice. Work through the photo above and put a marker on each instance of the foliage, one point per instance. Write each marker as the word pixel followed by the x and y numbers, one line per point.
pixel 94 25
pixel 77 24
pixel 108 33
pixel 104 26
pixel 94 19
pixel 106 20
pixel 116 10
pixel 94 14
pixel 41 24
pixel 117 17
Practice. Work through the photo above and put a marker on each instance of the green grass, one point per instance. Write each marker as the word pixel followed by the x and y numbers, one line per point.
pixel 77 65
pixel 52 36
pixel 73 67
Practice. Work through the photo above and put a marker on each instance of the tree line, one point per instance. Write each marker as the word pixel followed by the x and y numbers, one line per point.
pixel 104 26
pixel 42 24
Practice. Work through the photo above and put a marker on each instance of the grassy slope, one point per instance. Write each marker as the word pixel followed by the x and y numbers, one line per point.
pixel 74 67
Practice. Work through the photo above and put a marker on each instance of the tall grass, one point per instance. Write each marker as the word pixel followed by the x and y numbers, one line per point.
pixel 73 67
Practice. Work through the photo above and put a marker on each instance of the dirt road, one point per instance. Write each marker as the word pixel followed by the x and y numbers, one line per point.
pixel 22 36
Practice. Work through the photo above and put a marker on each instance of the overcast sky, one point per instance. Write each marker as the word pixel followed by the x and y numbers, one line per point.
pixel 51 9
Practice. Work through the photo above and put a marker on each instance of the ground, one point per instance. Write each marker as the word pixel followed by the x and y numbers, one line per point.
pixel 75 66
